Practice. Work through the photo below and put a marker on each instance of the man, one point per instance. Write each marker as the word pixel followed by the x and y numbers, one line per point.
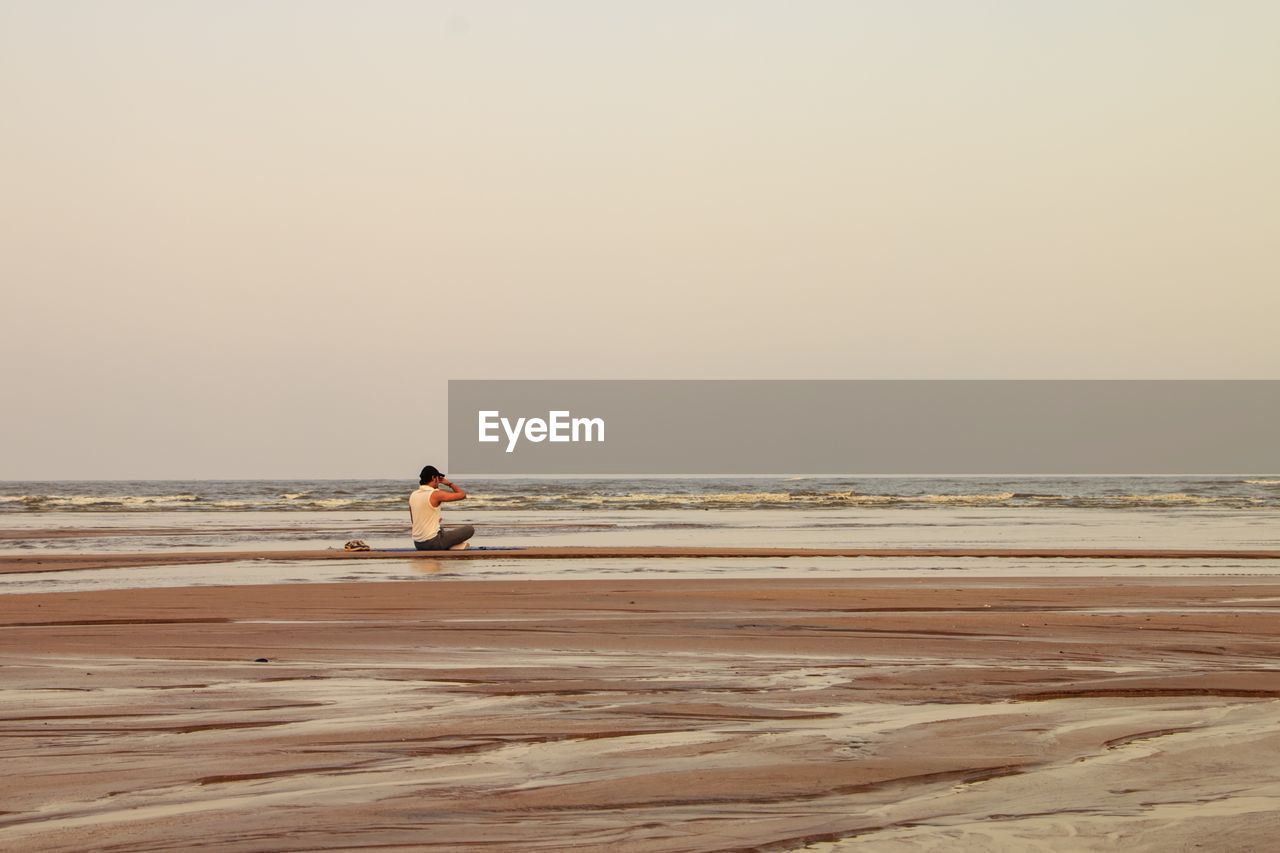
pixel 424 512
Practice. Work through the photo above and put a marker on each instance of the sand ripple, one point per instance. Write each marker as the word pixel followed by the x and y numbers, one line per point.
pixel 651 716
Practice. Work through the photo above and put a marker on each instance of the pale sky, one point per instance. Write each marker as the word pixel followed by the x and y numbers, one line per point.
pixel 246 239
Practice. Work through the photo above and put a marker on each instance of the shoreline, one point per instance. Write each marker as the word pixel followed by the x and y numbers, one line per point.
pixel 46 562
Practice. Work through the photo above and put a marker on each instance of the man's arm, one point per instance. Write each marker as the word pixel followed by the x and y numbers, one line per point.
pixel 440 496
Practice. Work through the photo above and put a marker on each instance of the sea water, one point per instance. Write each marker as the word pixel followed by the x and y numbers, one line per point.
pixel 812 512
pixel 535 495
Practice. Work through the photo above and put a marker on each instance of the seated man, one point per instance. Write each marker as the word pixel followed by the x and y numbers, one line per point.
pixel 424 512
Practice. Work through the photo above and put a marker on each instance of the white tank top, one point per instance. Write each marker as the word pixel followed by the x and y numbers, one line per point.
pixel 426 518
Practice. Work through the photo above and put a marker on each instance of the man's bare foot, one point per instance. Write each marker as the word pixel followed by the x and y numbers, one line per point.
pixel 461 546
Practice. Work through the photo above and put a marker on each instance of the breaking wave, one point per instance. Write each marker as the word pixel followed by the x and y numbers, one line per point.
pixel 106 502
pixel 600 495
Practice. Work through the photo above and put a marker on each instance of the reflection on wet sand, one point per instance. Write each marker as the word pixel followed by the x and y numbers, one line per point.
pixel 428 566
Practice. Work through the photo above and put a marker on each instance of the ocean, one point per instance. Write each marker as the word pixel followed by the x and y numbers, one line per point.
pixel 810 512
pixel 795 493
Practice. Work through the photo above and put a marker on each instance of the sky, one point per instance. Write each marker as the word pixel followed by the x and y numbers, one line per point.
pixel 244 240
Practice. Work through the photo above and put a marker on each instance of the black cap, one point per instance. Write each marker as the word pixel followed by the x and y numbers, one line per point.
pixel 428 474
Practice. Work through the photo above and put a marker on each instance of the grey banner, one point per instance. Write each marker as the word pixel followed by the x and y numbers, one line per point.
pixel 818 427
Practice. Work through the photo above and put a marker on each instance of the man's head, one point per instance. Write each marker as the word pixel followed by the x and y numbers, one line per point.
pixel 430 475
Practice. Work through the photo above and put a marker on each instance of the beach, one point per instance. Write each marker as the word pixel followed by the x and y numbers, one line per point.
pixel 861 416
pixel 237 682
pixel 670 715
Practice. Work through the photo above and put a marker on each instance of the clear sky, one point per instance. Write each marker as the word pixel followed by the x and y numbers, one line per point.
pixel 248 239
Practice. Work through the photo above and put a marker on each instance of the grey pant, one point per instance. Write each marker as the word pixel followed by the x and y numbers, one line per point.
pixel 446 539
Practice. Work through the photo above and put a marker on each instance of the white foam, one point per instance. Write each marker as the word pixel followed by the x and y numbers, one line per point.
pixel 1172 497
pixel 114 500
pixel 966 499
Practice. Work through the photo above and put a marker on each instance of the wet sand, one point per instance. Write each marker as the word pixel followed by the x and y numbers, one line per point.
pixel 30 534
pixel 669 715
pixel 47 562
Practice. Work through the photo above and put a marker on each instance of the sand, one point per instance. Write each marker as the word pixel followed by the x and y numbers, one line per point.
pixel 44 561
pixel 659 715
